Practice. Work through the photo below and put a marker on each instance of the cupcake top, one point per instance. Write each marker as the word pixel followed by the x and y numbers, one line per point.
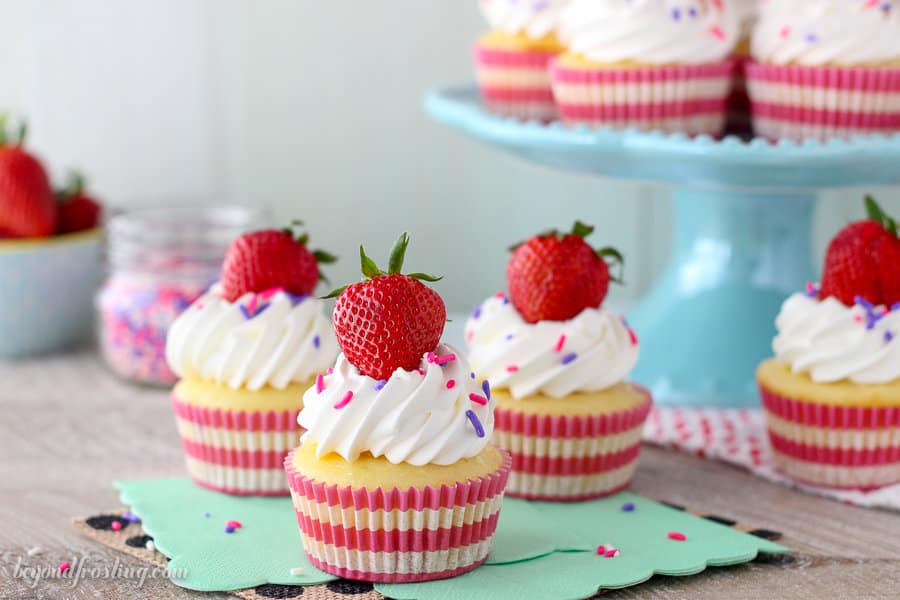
pixel 396 391
pixel 831 341
pixel 535 19
pixel 258 326
pixel 272 338
pixel 828 32
pixel 592 351
pixel 653 32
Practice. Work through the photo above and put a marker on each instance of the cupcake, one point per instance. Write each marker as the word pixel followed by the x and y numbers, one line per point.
pixel 646 64
pixel 395 480
pixel 826 68
pixel 831 394
pixel 512 60
pixel 246 351
pixel 557 362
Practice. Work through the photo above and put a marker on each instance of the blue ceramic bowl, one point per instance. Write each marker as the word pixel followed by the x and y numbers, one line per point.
pixel 47 291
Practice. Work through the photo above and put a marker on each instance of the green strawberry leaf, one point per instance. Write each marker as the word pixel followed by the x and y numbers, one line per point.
pixel 398 254
pixel 876 213
pixel 334 293
pixel 325 258
pixel 425 277
pixel 614 259
pixel 582 230
pixel 369 269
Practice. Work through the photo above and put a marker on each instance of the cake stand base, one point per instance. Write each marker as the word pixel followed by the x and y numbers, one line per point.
pixel 710 318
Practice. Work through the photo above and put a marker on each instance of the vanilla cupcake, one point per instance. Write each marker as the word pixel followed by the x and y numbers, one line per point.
pixel 646 64
pixel 825 69
pixel 395 480
pixel 557 363
pixel 512 60
pixel 245 363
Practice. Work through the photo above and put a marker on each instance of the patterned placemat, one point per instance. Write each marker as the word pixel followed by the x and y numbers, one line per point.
pixel 130 538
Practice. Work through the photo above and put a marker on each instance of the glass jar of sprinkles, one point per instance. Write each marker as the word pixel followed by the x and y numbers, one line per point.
pixel 160 261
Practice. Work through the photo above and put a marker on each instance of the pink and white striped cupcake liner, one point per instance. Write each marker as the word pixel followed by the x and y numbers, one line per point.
pixel 571 458
pixel 237 452
pixel 797 102
pixel 516 83
pixel 394 535
pixel 834 446
pixel 686 98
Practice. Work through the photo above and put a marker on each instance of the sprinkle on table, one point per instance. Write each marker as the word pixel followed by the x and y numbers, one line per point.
pixel 677 536
pixel 628 507
pixel 64 567
pixel 233 523
pixel 131 517
pixel 479 429
pixel 116 525
pixel 230 529
pixel 345 400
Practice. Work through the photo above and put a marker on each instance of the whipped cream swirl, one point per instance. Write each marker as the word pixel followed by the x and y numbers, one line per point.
pixel 827 32
pixel 832 342
pixel 437 414
pixel 591 352
pixel 653 32
pixel 272 338
pixel 534 18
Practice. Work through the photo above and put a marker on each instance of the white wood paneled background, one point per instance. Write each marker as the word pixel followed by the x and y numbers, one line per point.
pixel 312 109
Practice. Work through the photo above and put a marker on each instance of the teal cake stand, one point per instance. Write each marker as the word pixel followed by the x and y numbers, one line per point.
pixel 743 212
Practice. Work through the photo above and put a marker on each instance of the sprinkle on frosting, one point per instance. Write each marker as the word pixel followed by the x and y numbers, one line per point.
pixel 479 429
pixel 478 399
pixel 345 400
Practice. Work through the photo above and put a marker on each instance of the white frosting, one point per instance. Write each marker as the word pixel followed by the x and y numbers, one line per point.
pixel 820 32
pixel 598 351
pixel 417 417
pixel 651 31
pixel 534 18
pixel 831 341
pixel 288 339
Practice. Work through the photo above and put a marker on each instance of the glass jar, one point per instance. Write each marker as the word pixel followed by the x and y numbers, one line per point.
pixel 160 261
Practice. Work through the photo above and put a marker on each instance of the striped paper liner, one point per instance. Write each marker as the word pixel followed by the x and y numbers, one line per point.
pixel 516 83
pixel 797 102
pixel 688 98
pixel 569 458
pixel 395 535
pixel 834 446
pixel 237 452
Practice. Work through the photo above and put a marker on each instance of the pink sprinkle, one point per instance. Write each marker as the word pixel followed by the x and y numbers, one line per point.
pixel 632 336
pixel 115 526
pixel 320 383
pixel 785 31
pixel 233 523
pixel 251 307
pixel 560 343
pixel 512 369
pixel 64 567
pixel 443 360
pixel 420 371
pixel 470 335
pixel 345 400
pixel 451 384
pixel 266 294
pixel 500 295
pixel 601 550
pixel 717 32
pixel 611 553
pixel 199 306
pixel 858 318
pixel 677 536
pixel 431 357
pixel 330 370
pixel 478 399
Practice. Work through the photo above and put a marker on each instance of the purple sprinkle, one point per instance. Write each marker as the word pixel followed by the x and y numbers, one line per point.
pixel 486 388
pixel 229 529
pixel 261 309
pixel 888 337
pixel 317 341
pixel 864 303
pixel 476 314
pixel 479 430
pixel 568 358
pixel 811 38
pixel 245 312
pixel 628 506
pixel 895 307
pixel 504 300
pixel 811 290
pixel 297 298
pixel 379 385
pixel 509 336
pixel 676 14
pixel 692 12
pixel 472 374
pixel 131 517
pixel 541 5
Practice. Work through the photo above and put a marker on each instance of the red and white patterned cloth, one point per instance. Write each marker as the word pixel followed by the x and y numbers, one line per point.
pixel 739 437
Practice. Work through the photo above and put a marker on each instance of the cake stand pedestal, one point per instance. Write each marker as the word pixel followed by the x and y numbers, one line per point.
pixel 743 214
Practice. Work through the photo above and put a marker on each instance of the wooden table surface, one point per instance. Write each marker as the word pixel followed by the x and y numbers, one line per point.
pixel 69 428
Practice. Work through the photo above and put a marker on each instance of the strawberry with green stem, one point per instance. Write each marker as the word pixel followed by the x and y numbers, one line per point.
pixel 78 211
pixel 27 207
pixel 389 320
pixel 554 276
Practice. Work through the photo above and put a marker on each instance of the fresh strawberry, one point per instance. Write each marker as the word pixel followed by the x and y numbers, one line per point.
pixel 27 208
pixel 77 210
pixel 863 260
pixel 271 258
pixel 389 320
pixel 554 276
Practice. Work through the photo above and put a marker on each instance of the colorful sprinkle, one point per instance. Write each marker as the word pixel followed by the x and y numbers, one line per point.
pixel 611 553
pixel 320 383
pixel 560 343
pixel 632 336
pixel 230 529
pixel 628 507
pixel 266 294
pixel 895 307
pixel 64 567
pixel 131 517
pixel 811 290
pixel 717 32
pixel 477 399
pixel 486 388
pixel 379 385
pixel 785 32
pixel 329 370
pixel 476 314
pixel 811 38
pixel 676 14
pixel 430 357
pixel 888 337
pixel 345 400
pixel 116 525
pixel 443 360
pixel 677 536
pixel 297 298
pixel 472 374
pixel 233 523
pixel 569 358
pixel 601 550
pixel 317 341
pixel 479 430
pixel 451 383
pixel 512 369
pixel 509 337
